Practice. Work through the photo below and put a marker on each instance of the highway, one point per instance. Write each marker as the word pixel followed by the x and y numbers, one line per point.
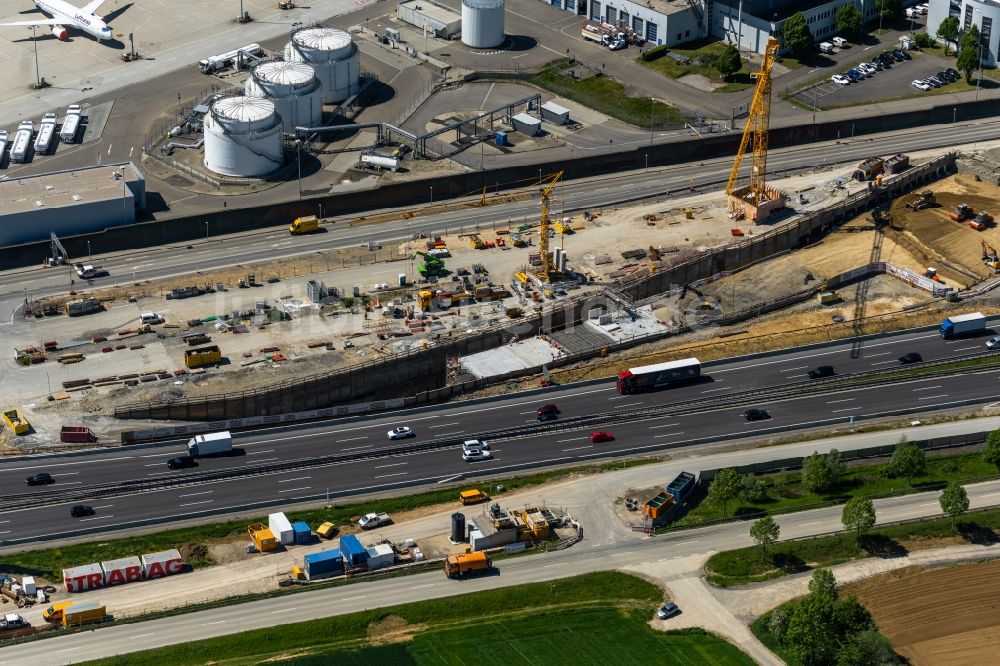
pixel 465 420
pixel 590 193
pixel 584 557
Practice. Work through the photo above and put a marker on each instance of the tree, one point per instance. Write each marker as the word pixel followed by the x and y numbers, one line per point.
pixel 849 20
pixel 810 637
pixel 796 35
pixel 858 515
pixel 765 532
pixel 889 9
pixel 954 500
pixel 752 488
pixel 948 30
pixel 725 487
pixel 908 460
pixel 729 62
pixel 823 586
pixel 822 472
pixel 991 453
pixel 923 40
pixel 850 617
pixel 967 61
pixel 969 37
pixel 867 648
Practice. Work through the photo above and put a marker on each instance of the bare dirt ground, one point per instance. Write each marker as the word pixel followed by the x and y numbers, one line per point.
pixel 938 616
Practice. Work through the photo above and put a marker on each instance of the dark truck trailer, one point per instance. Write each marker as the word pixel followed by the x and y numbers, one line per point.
pixel 76 434
pixel 660 375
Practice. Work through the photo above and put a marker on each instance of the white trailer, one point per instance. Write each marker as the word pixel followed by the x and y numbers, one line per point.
pixel 22 141
pixel 46 131
pixel 223 60
pixel 210 444
pixel 3 144
pixel 71 124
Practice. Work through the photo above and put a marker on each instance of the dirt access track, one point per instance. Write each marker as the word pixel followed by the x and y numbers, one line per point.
pixel 939 616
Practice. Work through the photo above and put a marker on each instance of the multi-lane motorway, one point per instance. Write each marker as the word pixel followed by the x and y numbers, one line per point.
pixel 723 420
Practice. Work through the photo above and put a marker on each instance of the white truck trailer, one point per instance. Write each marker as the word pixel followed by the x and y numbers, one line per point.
pixel 3 144
pixel 211 444
pixel 22 141
pixel 46 132
pixel 71 124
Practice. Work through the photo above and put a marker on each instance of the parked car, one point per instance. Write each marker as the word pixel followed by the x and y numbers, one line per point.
pixel 855 75
pixel 756 414
pixel 944 76
pixel 953 73
pixel 40 479
pixel 821 371
pixel 81 510
pixel 841 79
pixel 867 69
pixel 401 432
pixel 550 408
pixel 474 455
pixel 903 54
pixel 920 84
pixel 912 357
pixel 601 436
pixel 936 81
pixel 877 64
pixel 182 462
pixel 993 342
pixel 667 611
pixel 474 444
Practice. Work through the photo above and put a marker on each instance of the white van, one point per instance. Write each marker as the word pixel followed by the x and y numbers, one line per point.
pixel 825 47
pixel 839 42
pixel 150 318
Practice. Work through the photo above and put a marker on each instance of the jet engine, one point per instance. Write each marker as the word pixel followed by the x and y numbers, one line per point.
pixel 61 33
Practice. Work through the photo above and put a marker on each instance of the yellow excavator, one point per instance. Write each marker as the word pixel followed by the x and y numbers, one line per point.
pixel 990 257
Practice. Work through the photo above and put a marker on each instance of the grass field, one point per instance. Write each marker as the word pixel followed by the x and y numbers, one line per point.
pixel 596 619
pixel 49 562
pixel 606 95
pixel 747 565
pixel 785 492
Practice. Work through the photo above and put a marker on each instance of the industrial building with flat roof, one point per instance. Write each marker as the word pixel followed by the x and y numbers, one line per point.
pixel 436 19
pixel 70 202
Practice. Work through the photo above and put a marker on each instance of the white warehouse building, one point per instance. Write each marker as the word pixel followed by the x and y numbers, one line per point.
pixel 984 14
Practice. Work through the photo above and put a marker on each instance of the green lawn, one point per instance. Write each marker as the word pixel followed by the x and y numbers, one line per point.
pixel 785 491
pixel 49 562
pixel 674 69
pixel 748 565
pixel 596 619
pixel 606 95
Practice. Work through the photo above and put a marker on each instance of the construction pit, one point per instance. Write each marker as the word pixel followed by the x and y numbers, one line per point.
pixel 280 333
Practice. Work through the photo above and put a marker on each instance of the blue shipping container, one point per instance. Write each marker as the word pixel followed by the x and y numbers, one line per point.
pixel 354 552
pixel 303 535
pixel 501 138
pixel 680 486
pixel 324 563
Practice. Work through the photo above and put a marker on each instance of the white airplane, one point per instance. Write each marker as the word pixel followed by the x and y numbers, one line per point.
pixel 62 15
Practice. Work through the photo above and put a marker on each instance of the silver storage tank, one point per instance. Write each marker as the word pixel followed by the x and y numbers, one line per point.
pixel 294 89
pixel 242 137
pixel 482 23
pixel 333 55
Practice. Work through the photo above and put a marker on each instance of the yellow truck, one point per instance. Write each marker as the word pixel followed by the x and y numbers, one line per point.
pixel 199 358
pixel 86 612
pixel 304 225
pixel 474 496
pixel 15 421
pixel 457 566
pixel 263 538
pixel 54 613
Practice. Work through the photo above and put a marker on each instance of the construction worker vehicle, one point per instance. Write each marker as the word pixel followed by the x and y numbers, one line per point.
pixel 981 220
pixel 962 212
pixel 990 257
pixel 924 200
pixel 458 566
pixel 432 266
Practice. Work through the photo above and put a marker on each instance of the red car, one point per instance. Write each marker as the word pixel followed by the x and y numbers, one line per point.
pixel 599 437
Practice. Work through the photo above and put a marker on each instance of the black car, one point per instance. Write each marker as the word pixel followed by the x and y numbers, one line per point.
pixel 756 414
pixel 181 462
pixel 938 80
pixel 896 55
pixel 81 510
pixel 912 357
pixel 905 55
pixel 40 479
pixel 944 76
pixel 953 73
pixel 547 416
pixel 821 371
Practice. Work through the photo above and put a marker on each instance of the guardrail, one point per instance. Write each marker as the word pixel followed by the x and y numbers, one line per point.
pixel 134 486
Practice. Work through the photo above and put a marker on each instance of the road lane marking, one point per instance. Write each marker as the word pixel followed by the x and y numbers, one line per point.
pixel 445 425
pixel 350 439
pixel 875 355
pixel 665 425
pixel 104 506
pixel 927 388
pixel 834 402
pixel 448 434
pixel 849 409
pixel 287 610
pixel 966 348
pixel 669 434
pixel 817 522
pixel 577 448
pixel 386 476
pixel 156 464
pixel 628 404
pixel 298 478
pixel 203 492
pixel 723 388
pixel 571 439
pixel 143 636
pixel 883 362
pixel 355 448
pixel 207 624
pixel 82 462
pixel 931 397
pixel 390 465
pixel 196 503
pixel 256 462
pixel 292 490
pixel 257 453
pixel 97 517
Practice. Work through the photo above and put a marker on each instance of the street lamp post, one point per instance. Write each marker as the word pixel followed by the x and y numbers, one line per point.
pixel 34 43
pixel 121 170
pixel 652 105
pixel 88 250
pixel 647 161
pixel 206 229
pixel 298 160
pixel 432 194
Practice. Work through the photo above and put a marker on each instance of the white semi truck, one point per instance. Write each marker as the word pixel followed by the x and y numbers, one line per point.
pixel 46 132
pixel 71 124
pixel 22 141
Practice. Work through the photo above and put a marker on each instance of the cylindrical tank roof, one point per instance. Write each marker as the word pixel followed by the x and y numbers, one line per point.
pixel 322 39
pixel 483 4
pixel 286 73
pixel 243 109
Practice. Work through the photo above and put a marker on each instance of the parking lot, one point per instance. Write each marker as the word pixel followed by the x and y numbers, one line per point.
pixel 895 82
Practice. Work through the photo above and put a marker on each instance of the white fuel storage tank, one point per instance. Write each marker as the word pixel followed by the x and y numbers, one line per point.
pixel 333 55
pixel 294 89
pixel 483 23
pixel 242 137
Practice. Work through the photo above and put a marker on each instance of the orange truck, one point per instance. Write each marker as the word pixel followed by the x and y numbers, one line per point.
pixel 458 566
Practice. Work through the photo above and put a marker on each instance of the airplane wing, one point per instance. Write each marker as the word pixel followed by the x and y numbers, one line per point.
pixel 42 21
pixel 92 6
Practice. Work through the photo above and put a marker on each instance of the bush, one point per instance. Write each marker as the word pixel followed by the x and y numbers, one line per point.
pixel 924 40
pixel 655 53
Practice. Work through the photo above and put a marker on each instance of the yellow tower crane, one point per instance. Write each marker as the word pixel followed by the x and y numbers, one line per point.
pixel 543 229
pixel 756 129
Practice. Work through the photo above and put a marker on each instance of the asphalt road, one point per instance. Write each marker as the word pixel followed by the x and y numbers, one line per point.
pixel 587 556
pixel 723 420
pixel 245 249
